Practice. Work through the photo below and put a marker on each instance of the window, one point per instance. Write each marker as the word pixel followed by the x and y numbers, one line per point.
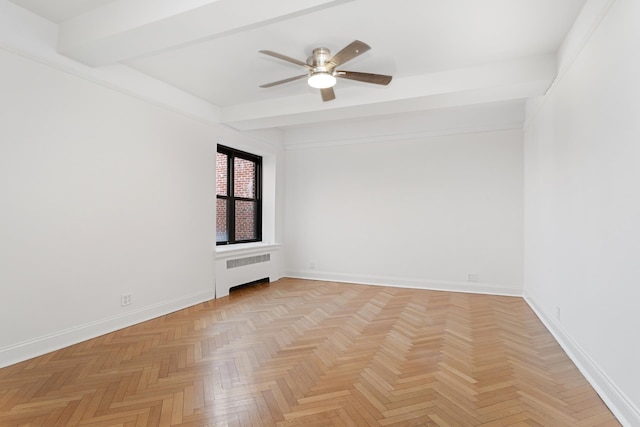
pixel 238 197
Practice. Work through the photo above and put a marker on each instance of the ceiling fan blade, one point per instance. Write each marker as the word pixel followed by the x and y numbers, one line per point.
pixel 290 79
pixel 378 79
pixel 285 58
pixel 327 94
pixel 354 49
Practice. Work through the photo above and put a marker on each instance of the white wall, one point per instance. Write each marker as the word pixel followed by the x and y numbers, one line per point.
pixel 101 194
pixel 582 208
pixel 423 212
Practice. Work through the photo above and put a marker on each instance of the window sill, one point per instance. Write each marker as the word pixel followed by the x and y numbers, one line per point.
pixel 228 251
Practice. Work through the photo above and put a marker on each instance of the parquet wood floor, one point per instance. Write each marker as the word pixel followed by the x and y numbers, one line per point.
pixel 309 353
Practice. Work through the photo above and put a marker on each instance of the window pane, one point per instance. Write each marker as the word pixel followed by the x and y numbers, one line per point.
pixel 244 173
pixel 221 174
pixel 222 233
pixel 245 220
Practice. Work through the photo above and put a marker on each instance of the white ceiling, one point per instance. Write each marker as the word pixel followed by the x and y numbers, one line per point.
pixel 442 53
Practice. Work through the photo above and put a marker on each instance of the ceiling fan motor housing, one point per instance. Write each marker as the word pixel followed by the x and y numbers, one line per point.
pixel 319 60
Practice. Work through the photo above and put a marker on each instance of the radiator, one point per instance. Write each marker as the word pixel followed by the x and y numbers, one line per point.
pixel 234 269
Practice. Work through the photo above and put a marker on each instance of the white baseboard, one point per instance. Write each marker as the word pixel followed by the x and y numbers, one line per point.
pixel 400 282
pixel 621 406
pixel 15 353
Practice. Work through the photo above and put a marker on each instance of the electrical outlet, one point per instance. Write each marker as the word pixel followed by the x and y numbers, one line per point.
pixel 312 265
pixel 558 314
pixel 126 299
pixel 472 277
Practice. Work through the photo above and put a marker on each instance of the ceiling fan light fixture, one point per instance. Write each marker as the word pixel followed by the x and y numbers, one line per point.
pixel 321 80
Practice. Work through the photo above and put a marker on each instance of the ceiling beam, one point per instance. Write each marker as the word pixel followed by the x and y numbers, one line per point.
pixel 503 81
pixel 127 29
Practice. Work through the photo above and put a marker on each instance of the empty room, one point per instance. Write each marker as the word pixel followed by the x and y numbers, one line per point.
pixel 319 213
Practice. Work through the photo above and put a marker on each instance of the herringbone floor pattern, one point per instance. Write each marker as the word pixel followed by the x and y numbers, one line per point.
pixel 307 353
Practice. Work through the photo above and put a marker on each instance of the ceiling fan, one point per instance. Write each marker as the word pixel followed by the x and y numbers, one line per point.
pixel 322 69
